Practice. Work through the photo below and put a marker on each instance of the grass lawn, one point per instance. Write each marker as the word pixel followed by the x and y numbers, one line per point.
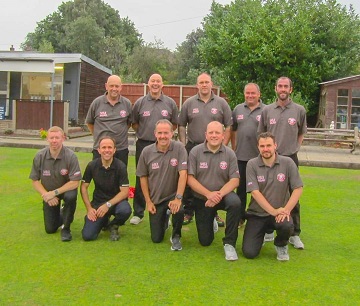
pixel 39 269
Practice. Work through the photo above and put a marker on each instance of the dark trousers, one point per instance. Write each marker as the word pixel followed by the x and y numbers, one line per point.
pixel 121 213
pixel 205 218
pixel 255 229
pixel 188 198
pixel 241 190
pixel 159 222
pixel 55 216
pixel 123 155
pixel 139 201
pixel 295 213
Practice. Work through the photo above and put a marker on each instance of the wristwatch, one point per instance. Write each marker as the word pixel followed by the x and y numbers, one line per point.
pixel 179 196
pixel 108 204
pixel 56 192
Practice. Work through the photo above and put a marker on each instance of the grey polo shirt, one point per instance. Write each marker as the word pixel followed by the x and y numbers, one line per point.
pixel 273 182
pixel 54 173
pixel 245 123
pixel 212 170
pixel 147 111
pixel 109 120
pixel 286 124
pixel 196 115
pixel 162 170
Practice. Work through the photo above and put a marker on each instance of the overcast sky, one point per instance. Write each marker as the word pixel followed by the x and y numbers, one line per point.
pixel 166 20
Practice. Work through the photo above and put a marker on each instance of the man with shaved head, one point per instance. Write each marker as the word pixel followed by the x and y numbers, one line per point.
pixel 146 112
pixel 213 175
pixel 110 115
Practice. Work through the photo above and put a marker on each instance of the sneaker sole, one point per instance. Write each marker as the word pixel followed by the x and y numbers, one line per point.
pixel 296 247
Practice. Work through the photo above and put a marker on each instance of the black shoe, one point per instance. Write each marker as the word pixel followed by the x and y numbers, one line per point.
pixel 114 233
pixel 66 235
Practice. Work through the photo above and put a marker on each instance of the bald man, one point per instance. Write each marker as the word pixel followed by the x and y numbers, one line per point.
pixel 146 112
pixel 110 115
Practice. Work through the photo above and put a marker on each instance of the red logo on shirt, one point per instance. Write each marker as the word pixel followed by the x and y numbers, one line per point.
pixel 155 166
pixel 164 113
pixel 223 165
pixel 281 177
pixel 273 121
pixel 292 121
pixel 195 111
pixel 64 171
pixel 258 117
pixel 203 165
pixel 261 178
pixel 214 111
pixel 146 113
pixel 240 117
pixel 103 114
pixel 123 113
pixel 173 162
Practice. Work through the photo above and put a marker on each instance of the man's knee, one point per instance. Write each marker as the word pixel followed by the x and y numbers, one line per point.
pixel 87 236
pixel 205 240
pixel 249 252
pixel 51 229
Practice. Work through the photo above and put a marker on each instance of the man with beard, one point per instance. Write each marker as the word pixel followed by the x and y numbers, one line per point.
pixel 146 112
pixel 286 120
pixel 110 115
pixel 213 175
pixel 162 169
pixel 246 117
pixel 269 177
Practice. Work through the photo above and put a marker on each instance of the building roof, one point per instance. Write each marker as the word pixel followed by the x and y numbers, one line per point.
pixel 56 58
pixel 342 80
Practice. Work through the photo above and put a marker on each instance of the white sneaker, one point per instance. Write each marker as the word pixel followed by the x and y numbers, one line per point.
pixel 135 220
pixel 296 242
pixel 269 237
pixel 230 252
pixel 282 253
pixel 215 226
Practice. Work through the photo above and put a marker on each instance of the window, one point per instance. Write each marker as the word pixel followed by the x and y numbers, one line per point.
pixel 37 86
pixel 342 109
pixel 355 108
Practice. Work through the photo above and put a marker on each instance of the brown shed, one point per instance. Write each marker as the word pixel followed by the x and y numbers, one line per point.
pixel 340 102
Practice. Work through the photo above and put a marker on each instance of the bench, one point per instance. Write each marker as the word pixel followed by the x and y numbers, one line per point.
pixel 334 136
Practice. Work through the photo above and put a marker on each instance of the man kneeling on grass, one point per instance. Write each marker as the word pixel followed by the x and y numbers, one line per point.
pixel 213 176
pixel 162 169
pixel 269 177
pixel 55 174
pixel 110 193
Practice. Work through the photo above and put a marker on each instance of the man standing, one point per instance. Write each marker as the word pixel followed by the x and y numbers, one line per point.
pixel 196 113
pixel 110 115
pixel 286 120
pixel 213 175
pixel 162 169
pixel 269 177
pixel 146 112
pixel 246 117
pixel 110 193
pixel 55 174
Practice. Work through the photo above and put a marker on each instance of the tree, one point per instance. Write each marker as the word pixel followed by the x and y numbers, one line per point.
pixel 188 58
pixel 309 41
pixel 148 59
pixel 90 27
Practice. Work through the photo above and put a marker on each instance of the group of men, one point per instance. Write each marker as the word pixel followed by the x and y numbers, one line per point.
pixel 196 175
